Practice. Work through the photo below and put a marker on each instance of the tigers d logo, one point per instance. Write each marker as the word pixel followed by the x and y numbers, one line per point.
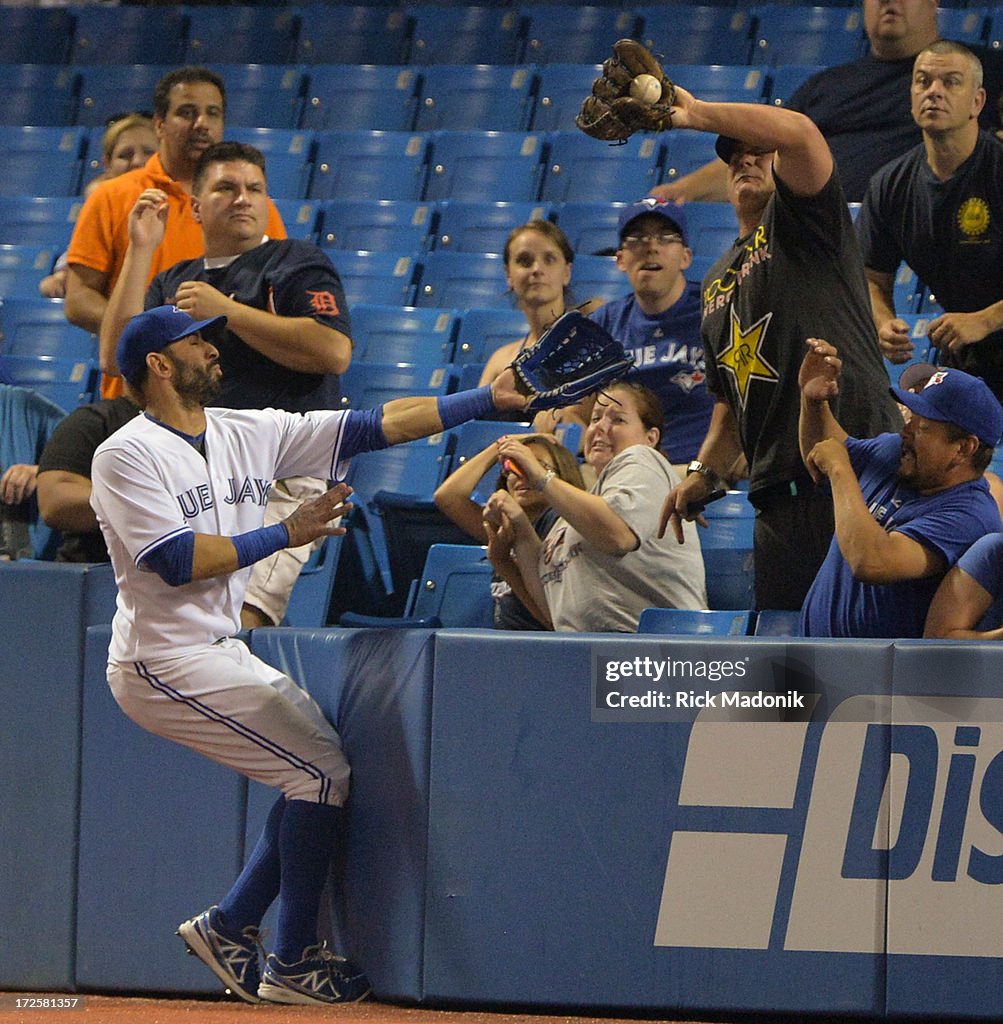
pixel 973 217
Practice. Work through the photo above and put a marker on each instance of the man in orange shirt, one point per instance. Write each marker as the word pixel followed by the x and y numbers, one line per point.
pixel 188 111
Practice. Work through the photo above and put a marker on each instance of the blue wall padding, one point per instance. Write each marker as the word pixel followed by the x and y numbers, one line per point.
pixel 548 834
pixel 375 685
pixel 40 673
pixel 949 696
pixel 161 838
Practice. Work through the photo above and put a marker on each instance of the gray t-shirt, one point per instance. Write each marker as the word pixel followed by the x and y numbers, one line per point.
pixel 590 591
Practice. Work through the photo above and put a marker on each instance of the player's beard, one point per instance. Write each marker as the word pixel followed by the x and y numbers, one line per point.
pixel 196 387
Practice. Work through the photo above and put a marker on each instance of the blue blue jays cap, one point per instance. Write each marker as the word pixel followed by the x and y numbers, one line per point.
pixel 671 213
pixel 153 331
pixel 953 396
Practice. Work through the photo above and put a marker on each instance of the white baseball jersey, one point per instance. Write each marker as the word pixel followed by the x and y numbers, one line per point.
pixel 150 485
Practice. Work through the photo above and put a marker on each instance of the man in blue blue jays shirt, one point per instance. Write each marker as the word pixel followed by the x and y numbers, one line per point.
pixel 907 505
pixel 659 321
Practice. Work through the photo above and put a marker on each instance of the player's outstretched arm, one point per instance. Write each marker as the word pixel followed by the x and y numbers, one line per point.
pixel 407 419
pixel 219 556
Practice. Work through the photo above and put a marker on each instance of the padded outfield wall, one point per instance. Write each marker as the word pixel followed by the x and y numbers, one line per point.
pixel 519 835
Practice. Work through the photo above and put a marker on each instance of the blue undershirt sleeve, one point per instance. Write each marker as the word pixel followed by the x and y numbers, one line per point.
pixel 172 561
pixel 363 432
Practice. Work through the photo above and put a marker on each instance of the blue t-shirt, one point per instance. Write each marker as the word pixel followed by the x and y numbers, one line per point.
pixel 668 359
pixel 983 561
pixel 948 522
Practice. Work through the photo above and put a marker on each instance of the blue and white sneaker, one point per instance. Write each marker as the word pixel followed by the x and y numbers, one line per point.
pixel 233 961
pixel 320 977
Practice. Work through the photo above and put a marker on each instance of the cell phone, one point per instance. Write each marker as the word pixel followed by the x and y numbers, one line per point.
pixel 510 467
pixel 696 507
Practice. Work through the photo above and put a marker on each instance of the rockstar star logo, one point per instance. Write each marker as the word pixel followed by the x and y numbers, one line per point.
pixel 743 355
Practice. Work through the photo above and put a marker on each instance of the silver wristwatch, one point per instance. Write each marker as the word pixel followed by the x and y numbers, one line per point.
pixel 696 466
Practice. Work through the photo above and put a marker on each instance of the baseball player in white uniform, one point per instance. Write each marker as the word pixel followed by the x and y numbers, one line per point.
pixel 180 495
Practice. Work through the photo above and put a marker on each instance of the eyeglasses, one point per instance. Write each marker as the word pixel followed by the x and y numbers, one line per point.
pixel 662 238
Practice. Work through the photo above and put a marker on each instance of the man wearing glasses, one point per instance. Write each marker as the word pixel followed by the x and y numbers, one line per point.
pixel 659 321
pixel 794 272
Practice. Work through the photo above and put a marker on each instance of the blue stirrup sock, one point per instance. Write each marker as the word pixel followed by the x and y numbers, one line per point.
pixel 306 845
pixel 258 885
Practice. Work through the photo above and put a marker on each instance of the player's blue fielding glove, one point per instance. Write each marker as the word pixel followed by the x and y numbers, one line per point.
pixel 574 357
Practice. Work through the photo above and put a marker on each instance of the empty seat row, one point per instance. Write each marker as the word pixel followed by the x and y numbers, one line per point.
pixel 426 34
pixel 514 166
pixel 397 225
pixel 390 97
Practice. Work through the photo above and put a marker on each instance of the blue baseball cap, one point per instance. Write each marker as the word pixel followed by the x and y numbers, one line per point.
pixel 670 212
pixel 953 396
pixel 153 331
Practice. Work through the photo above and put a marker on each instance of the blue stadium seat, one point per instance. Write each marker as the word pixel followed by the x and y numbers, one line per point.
pixel 721 83
pixel 691 34
pixel 591 226
pixel 311 594
pixel 971 26
pixel 455 587
pixel 369 165
pixel 807 35
pixel 457 97
pixel 367 386
pixel 471 226
pixel 465 35
pixel 33 326
pixel 361 34
pixel 573 34
pixel 378 225
pixel 471 165
pixel 106 91
pixel 734 505
pixel 559 95
pixel 691 622
pixel 457 280
pixel 907 290
pixel 685 152
pixel 403 334
pixel 129 35
pixel 784 81
pixel 598 277
pixel 366 96
pixel 38 220
pixel 287 155
pixel 481 331
pixel 67 382
pixel 262 96
pixel 383 277
pixel 728 561
pixel 301 218
pixel 44 161
pixel 994 31
pixel 38 94
pixel 710 228
pixel 412 470
pixel 22 267
pixel 777 622
pixel 577 168
pixel 241 35
pixel 41 35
